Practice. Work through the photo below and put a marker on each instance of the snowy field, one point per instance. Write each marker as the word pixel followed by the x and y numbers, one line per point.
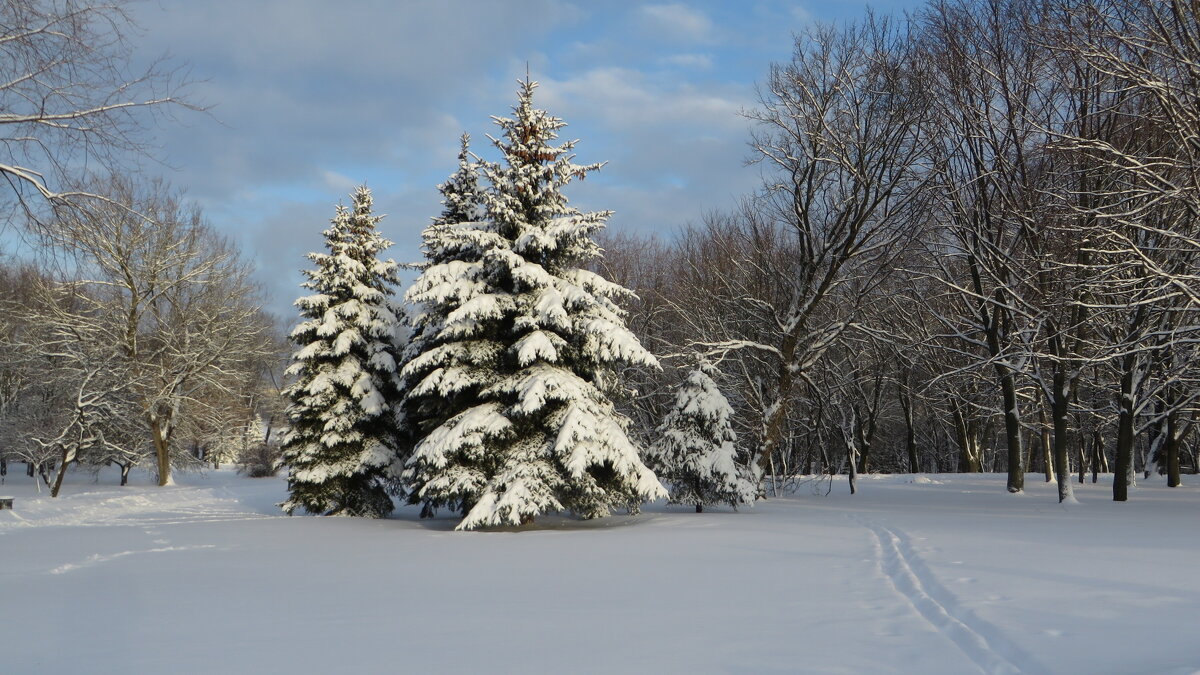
pixel 939 574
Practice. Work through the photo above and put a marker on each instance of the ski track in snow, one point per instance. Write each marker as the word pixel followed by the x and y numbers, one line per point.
pixel 98 559
pixel 981 642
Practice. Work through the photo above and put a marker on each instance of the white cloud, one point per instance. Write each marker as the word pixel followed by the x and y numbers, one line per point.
pixel 338 182
pixel 629 100
pixel 677 21
pixel 696 61
pixel 299 87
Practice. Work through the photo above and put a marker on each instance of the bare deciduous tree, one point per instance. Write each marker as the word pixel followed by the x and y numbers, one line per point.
pixel 839 138
pixel 172 296
pixel 67 91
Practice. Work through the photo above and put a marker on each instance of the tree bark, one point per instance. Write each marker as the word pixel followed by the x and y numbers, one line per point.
pixel 1012 432
pixel 1083 457
pixel 1174 436
pixel 853 470
pixel 1156 437
pixel 910 439
pixel 161 452
pixel 1047 448
pixel 62 472
pixel 1125 421
pixel 968 441
pixel 1058 408
pixel 776 413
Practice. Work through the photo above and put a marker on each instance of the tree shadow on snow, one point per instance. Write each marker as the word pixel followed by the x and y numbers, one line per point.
pixel 446 521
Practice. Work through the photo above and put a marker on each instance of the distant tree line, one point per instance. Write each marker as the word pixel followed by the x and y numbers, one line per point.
pixel 975 249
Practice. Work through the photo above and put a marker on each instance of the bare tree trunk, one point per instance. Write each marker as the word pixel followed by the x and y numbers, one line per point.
pixel 968 441
pixel 1031 456
pixel 1125 421
pixel 62 471
pixel 1156 437
pixel 910 436
pixel 853 455
pixel 1047 448
pixel 1083 457
pixel 1059 406
pixel 864 433
pixel 776 413
pixel 1174 436
pixel 161 453
pixel 1012 431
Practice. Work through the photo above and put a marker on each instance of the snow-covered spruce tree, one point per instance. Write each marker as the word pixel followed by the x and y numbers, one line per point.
pixel 462 198
pixel 527 346
pixel 696 450
pixel 453 249
pixel 343 425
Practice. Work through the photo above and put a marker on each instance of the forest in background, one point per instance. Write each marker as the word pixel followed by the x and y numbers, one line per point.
pixel 974 250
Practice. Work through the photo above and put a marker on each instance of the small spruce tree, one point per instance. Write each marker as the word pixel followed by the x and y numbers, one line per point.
pixel 696 450
pixel 523 347
pixel 343 425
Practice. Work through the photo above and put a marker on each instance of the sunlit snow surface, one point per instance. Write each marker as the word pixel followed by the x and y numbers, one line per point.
pixel 941 574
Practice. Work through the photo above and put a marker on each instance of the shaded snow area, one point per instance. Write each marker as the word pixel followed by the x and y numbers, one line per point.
pixel 937 574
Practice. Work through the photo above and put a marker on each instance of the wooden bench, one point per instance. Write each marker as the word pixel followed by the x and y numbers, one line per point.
pixel 5 503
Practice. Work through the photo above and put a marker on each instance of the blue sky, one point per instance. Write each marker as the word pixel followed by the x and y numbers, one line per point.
pixel 310 98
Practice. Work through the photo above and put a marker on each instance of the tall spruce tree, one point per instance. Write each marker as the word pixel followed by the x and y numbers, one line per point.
pixel 525 349
pixel 343 425
pixel 453 250
pixel 696 451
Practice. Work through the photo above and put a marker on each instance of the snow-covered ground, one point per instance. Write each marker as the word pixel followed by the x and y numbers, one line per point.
pixel 938 574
